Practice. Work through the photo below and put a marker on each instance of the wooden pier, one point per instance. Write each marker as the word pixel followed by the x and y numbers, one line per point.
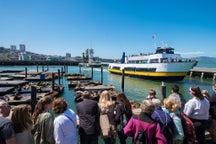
pixel 203 72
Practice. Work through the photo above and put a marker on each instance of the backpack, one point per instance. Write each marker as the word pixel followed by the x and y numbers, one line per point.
pixel 141 137
pixel 188 127
pixel 123 121
pixel 166 129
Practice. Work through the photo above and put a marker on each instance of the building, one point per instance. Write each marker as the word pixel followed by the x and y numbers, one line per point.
pixel 22 48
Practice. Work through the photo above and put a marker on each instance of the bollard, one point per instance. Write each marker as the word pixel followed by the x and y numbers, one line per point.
pixel 33 98
pixel 122 84
pixel 92 72
pixel 53 81
pixel 101 74
pixel 59 76
pixel 163 90
pixel 25 72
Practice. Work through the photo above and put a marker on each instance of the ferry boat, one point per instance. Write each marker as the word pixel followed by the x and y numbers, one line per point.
pixel 164 64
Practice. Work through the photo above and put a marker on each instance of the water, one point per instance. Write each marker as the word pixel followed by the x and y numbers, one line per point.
pixel 135 88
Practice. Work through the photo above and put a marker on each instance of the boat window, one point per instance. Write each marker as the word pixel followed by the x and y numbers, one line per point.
pixel 145 69
pixel 153 60
pixel 164 60
pixel 129 68
pixel 116 68
pixel 144 61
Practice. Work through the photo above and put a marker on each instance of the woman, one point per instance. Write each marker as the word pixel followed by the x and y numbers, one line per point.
pixel 65 124
pixel 197 109
pixel 173 109
pixel 144 121
pixel 123 107
pixel 43 122
pixel 106 106
pixel 23 124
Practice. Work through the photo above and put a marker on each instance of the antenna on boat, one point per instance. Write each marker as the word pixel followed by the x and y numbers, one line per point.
pixel 154 40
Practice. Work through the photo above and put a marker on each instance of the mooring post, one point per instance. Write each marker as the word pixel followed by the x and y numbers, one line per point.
pixel 47 67
pixel 42 68
pixel 122 84
pixel 33 98
pixel 101 74
pixel 92 72
pixel 62 71
pixel 37 67
pixel 163 90
pixel 25 72
pixel 53 81
pixel 79 69
pixel 59 76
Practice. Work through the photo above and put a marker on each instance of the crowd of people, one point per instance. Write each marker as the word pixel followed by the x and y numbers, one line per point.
pixel 52 122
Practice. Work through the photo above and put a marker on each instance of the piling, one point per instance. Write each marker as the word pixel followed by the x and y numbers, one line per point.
pixel 33 98
pixel 122 82
pixel 79 69
pixel 101 74
pixel 37 67
pixel 53 80
pixel 25 72
pixel 62 71
pixel 47 67
pixel 92 72
pixel 42 68
pixel 163 90
pixel 59 76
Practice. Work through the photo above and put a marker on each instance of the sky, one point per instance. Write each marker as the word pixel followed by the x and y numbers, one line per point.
pixel 110 27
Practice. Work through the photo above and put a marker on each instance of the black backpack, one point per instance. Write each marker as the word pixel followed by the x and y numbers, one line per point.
pixel 141 137
pixel 166 129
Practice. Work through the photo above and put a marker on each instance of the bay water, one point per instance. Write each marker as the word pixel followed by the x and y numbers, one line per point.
pixel 134 88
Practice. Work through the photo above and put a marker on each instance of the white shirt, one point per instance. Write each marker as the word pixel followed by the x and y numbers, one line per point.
pixel 65 129
pixel 197 109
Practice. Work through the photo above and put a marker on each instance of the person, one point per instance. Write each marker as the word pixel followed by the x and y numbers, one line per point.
pixel 65 124
pixel 7 132
pixel 197 109
pixel 21 118
pixel 172 108
pixel 153 129
pixel 88 113
pixel 151 94
pixel 123 106
pixel 205 93
pixel 164 119
pixel 43 122
pixel 212 110
pixel 214 90
pixel 175 91
pixel 106 106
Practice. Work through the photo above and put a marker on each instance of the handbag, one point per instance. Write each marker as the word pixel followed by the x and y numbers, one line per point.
pixel 105 125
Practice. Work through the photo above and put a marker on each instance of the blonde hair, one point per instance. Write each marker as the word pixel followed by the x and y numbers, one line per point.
pixel 105 100
pixel 170 104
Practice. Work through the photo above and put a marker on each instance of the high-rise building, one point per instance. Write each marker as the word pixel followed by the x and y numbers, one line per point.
pixel 22 48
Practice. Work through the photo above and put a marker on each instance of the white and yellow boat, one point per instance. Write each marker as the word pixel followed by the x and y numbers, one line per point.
pixel 164 64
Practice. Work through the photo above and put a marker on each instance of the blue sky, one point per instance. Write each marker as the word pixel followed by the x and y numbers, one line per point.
pixel 110 27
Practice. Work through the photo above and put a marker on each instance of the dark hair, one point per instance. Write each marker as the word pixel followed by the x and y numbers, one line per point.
pixel 21 118
pixel 152 92
pixel 175 88
pixel 197 92
pixel 59 105
pixel 39 108
pixel 121 97
pixel 86 94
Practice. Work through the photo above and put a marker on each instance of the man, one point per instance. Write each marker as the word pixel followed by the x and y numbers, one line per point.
pixel 7 133
pixel 88 113
pixel 175 91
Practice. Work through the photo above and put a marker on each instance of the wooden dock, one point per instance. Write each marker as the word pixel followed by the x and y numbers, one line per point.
pixel 203 72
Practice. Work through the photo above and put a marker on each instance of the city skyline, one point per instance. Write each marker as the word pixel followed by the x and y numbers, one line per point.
pixel 110 27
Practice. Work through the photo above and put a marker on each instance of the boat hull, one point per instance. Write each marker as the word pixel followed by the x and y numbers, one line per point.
pixel 156 71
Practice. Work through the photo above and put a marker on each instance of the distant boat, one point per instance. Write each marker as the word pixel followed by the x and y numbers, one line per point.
pixel 164 64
